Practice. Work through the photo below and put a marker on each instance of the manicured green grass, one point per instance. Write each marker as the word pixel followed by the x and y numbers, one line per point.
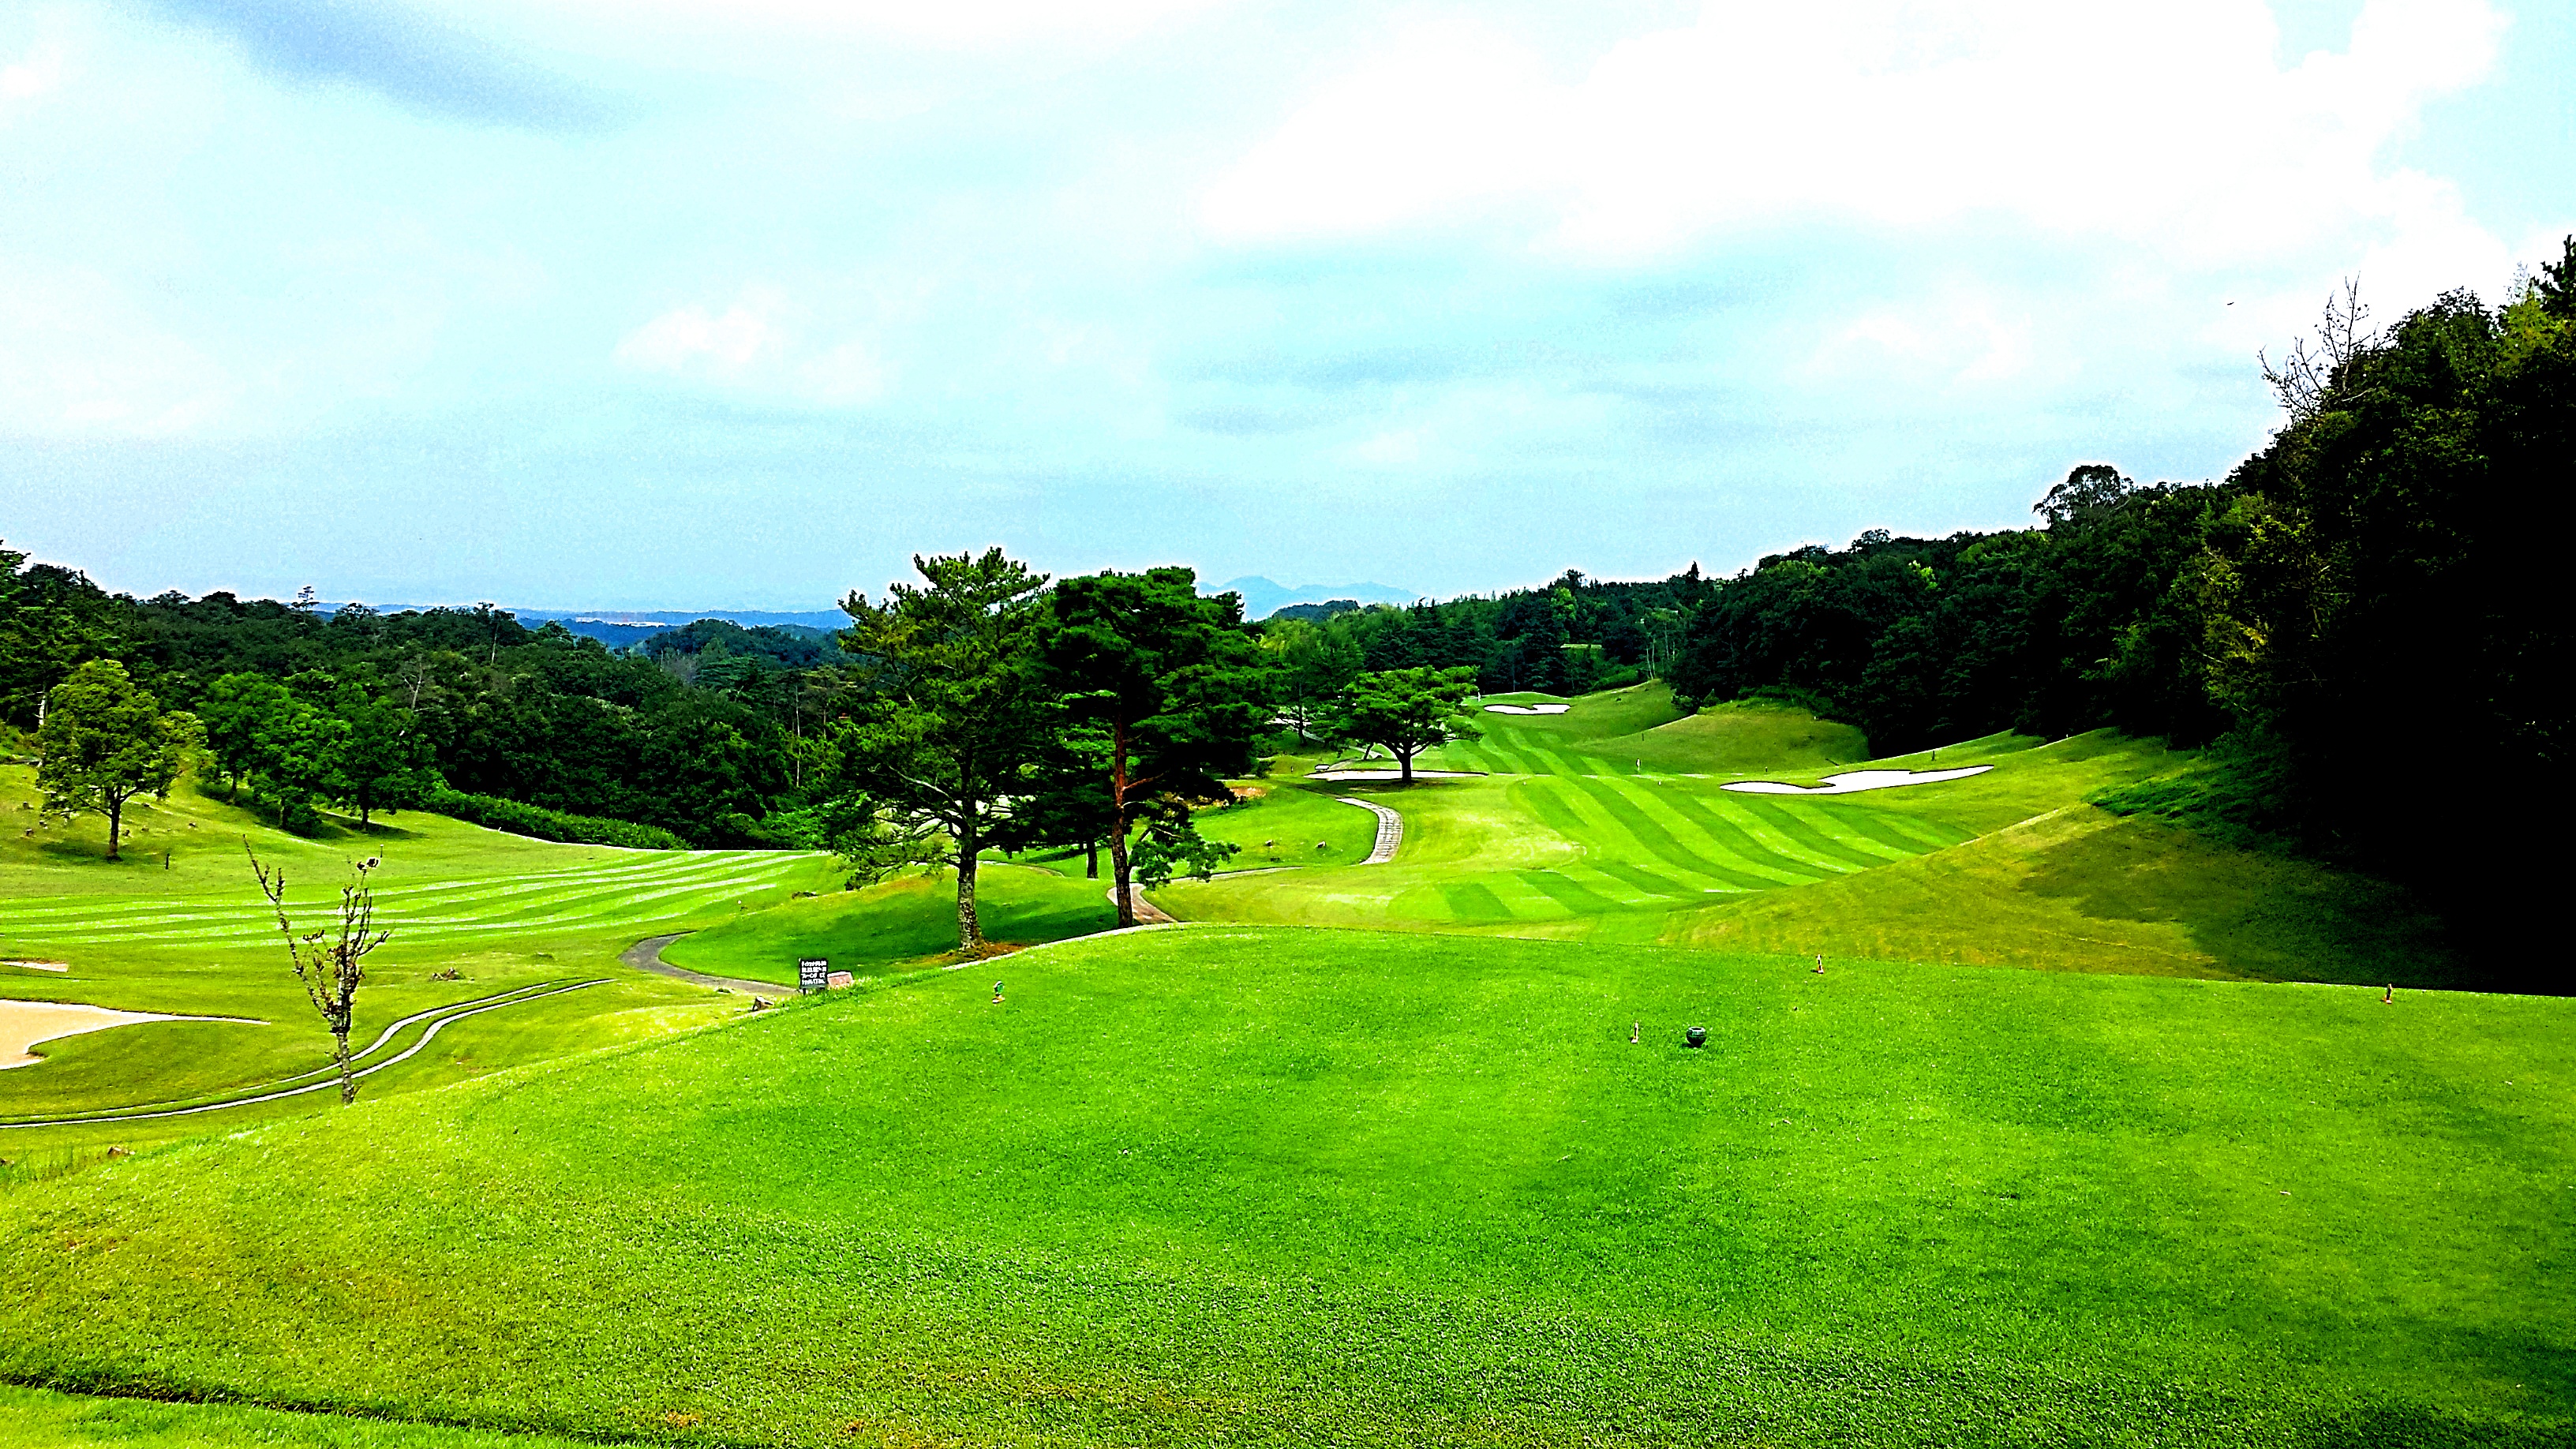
pixel 911 920
pixel 40 1419
pixel 195 938
pixel 1295 1186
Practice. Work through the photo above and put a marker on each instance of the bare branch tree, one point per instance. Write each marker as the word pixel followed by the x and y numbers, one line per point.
pixel 327 961
pixel 2304 378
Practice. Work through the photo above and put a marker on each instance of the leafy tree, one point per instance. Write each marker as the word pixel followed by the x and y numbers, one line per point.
pixel 51 619
pixel 2556 284
pixel 328 959
pixel 1407 711
pixel 1169 684
pixel 383 760
pixel 105 741
pixel 278 737
pixel 236 711
pixel 952 720
pixel 1309 668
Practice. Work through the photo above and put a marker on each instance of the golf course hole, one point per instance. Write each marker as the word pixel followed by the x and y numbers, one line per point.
pixel 1852 782
pixel 26 1024
pixel 1527 708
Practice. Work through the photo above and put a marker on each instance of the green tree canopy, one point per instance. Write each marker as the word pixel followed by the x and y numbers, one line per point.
pixel 1309 668
pixel 1407 711
pixel 949 721
pixel 1169 685
pixel 105 741
pixel 383 759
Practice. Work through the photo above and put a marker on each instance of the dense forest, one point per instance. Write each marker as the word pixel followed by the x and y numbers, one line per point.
pixel 2355 619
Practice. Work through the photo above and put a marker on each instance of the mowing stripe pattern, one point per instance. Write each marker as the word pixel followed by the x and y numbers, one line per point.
pixel 1655 843
pixel 637 891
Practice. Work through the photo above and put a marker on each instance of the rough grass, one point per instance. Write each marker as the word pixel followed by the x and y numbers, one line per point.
pixel 1292 1187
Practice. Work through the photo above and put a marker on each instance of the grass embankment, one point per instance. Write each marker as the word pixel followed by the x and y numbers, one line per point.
pixel 908 921
pixel 1295 1186
pixel 194 937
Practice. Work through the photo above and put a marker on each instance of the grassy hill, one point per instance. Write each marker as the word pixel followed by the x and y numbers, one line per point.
pixel 194 937
pixel 1296 1186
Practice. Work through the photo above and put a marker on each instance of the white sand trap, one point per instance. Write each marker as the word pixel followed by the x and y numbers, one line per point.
pixel 24 1024
pixel 1854 781
pixel 1394 774
pixel 1527 708
pixel 40 965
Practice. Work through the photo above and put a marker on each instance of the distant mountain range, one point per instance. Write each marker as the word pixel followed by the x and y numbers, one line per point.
pixel 1262 598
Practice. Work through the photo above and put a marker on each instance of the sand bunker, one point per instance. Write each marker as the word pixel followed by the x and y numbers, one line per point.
pixel 1527 708
pixel 1852 782
pixel 24 1024
pixel 40 965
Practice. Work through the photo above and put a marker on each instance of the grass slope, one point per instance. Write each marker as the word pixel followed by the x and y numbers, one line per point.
pixel 1296 1186
pixel 195 938
pixel 2008 867
pixel 908 921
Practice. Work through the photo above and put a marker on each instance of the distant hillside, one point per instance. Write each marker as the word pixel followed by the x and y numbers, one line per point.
pixel 631 628
pixel 1263 598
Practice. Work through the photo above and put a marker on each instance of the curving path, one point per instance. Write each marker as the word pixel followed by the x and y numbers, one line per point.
pixel 646 955
pixel 1390 830
pixel 438 1017
pixel 1147 913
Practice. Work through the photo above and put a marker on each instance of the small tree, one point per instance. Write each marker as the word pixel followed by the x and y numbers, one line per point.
pixel 105 741
pixel 1407 711
pixel 941 745
pixel 327 958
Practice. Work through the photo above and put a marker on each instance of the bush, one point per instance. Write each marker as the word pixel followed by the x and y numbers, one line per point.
pixel 520 818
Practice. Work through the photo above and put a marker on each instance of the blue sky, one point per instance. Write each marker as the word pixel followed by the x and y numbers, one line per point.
pixel 680 303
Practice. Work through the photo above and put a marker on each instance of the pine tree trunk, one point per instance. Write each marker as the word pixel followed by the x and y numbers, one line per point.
pixel 1091 867
pixel 1121 878
pixel 970 931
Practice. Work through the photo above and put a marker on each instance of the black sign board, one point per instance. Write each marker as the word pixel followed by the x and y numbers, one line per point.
pixel 813 975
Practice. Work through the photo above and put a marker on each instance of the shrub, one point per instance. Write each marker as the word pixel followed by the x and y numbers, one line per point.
pixel 520 818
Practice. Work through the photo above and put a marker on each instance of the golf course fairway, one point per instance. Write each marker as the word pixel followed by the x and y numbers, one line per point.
pixel 1278 1186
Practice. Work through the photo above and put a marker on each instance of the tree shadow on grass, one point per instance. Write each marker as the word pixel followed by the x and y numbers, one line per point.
pixel 2262 913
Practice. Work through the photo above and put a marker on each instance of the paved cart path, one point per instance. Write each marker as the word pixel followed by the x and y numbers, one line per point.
pixel 646 955
pixel 1390 830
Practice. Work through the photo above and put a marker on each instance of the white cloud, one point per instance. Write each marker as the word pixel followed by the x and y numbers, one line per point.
pixel 1956 339
pixel 78 357
pixel 39 73
pixel 749 346
pixel 2168 125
